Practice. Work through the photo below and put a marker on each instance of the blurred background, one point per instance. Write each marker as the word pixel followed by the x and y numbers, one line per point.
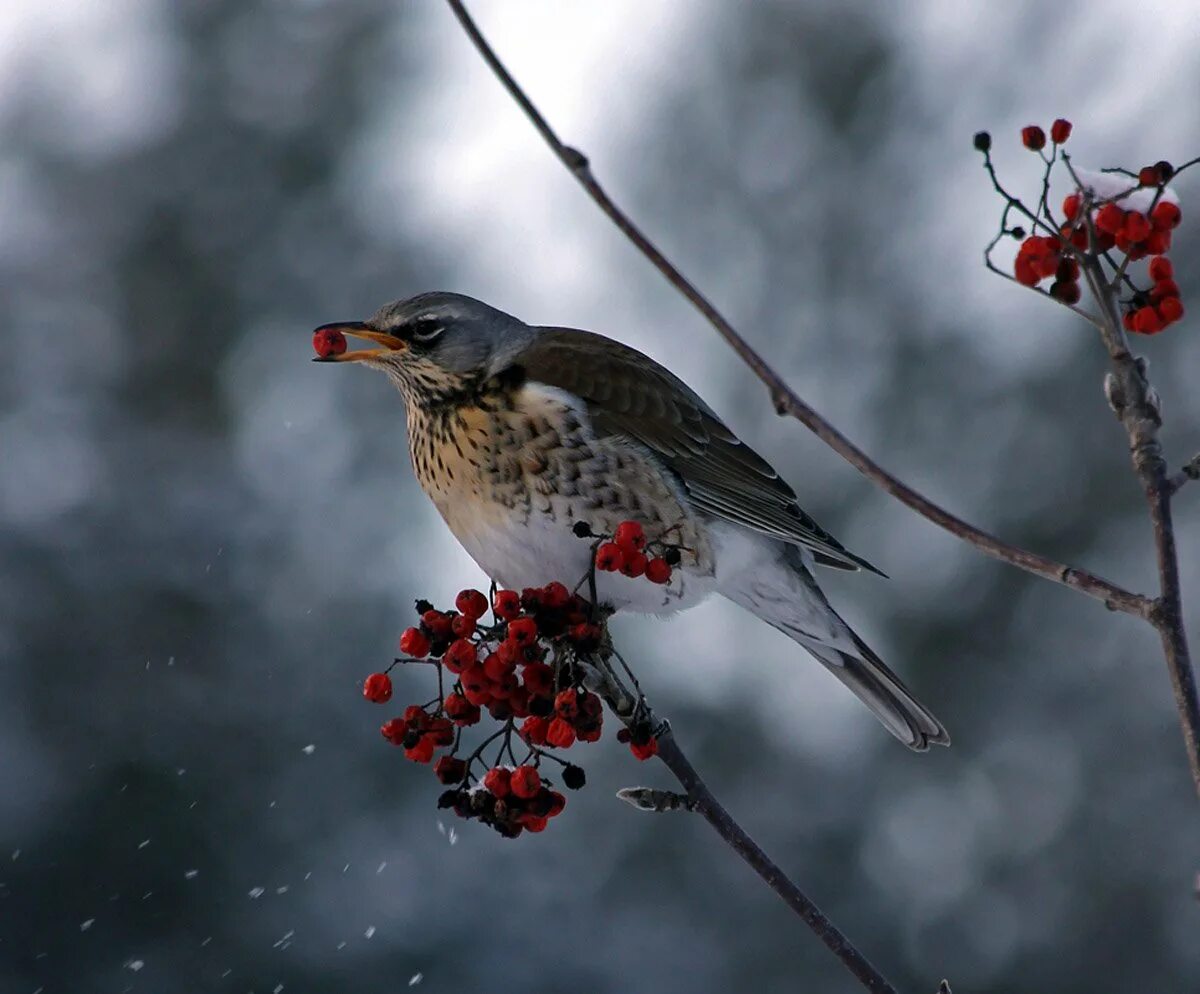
pixel 206 541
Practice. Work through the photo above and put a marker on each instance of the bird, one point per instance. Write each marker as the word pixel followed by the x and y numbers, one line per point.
pixel 519 432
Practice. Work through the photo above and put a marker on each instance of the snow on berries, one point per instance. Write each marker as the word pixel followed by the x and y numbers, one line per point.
pixel 1109 222
pixel 520 658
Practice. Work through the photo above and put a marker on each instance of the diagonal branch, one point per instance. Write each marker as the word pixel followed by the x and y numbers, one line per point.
pixel 631 709
pixel 785 399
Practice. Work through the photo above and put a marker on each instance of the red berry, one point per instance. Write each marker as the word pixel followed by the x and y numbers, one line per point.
pixel 532 823
pixel 630 537
pixel 1165 215
pixel 1157 242
pixel 1065 290
pixel 560 734
pixel 566 704
pixel 1109 219
pixel 415 715
pixel 377 688
pixel 460 655
pixel 1068 270
pixel 497 780
pixel 462 626
pixel 475 679
pixel 328 341
pixel 1033 138
pixel 1147 321
pixel 437 622
pixel 635 564
pixel 523 631
pixel 448 769
pixel 644 750
pixel 422 752
pixel 1164 288
pixel 394 730
pixel 1135 226
pixel 496 667
pixel 583 632
pixel 471 604
pixel 534 728
pixel 539 679
pixel 441 730
pixel 525 782
pixel 1070 206
pixel 557 803
pixel 1127 321
pixel 1161 269
pixel 507 604
pixel 459 710
pixel 1171 310
pixel 1025 271
pixel 415 643
pixel 1148 176
pixel 1078 237
pixel 609 557
pixel 1060 131
pixel 658 570
pixel 555 596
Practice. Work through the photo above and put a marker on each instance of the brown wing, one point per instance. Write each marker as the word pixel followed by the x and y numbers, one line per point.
pixel 630 395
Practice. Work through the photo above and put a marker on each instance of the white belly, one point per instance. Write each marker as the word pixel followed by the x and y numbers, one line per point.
pixel 534 553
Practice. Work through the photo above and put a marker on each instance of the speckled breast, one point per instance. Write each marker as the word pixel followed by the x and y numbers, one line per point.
pixel 512 470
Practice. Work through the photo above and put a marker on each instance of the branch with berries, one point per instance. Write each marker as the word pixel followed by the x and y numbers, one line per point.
pixel 1111 222
pixel 541 664
pixel 1129 392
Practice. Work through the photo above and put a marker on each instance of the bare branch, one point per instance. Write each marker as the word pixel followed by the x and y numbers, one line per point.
pixel 785 400
pixel 1190 471
pixel 1141 417
pixel 635 713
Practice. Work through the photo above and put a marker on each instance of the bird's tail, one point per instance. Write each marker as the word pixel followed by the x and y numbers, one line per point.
pixel 786 596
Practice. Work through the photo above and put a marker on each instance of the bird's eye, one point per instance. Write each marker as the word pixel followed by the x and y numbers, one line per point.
pixel 424 331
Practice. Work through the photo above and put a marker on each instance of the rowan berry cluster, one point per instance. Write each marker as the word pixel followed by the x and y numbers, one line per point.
pixel 1109 220
pixel 626 552
pixel 527 667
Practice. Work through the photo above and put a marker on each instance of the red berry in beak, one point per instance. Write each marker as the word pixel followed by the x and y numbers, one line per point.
pixel 328 341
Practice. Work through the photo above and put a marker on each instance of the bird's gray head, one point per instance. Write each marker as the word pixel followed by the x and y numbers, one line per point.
pixel 434 341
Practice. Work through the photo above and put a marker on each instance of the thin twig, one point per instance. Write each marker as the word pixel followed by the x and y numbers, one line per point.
pixel 1190 471
pixel 635 712
pixel 787 401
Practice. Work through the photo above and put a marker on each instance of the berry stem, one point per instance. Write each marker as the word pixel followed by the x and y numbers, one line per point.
pixel 1190 471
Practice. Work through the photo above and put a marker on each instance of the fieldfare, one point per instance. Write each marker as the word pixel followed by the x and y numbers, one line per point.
pixel 519 432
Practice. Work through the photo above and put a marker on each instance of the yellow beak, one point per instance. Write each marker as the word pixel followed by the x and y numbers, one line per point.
pixel 356 329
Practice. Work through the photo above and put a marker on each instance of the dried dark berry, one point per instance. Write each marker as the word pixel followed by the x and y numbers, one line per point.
pixel 573 777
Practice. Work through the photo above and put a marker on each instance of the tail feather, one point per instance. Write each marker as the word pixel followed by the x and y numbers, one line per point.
pixel 786 596
pixel 883 692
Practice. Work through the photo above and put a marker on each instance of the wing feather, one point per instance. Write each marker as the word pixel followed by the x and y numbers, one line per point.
pixel 630 395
